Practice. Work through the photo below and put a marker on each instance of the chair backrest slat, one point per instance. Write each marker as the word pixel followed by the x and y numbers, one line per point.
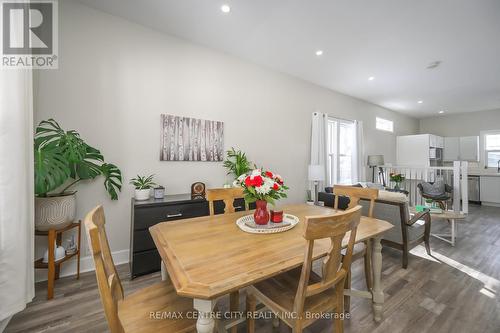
pixel 355 194
pixel 334 268
pixel 110 287
pixel 225 194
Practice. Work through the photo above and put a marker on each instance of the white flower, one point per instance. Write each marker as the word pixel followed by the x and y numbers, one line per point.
pixel 241 177
pixel 263 189
pixel 256 172
pixel 266 186
pixel 236 183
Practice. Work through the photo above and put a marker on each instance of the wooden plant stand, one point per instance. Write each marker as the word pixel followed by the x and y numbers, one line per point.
pixel 54 267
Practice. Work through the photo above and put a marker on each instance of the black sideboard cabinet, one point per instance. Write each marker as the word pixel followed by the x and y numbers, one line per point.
pixel 144 257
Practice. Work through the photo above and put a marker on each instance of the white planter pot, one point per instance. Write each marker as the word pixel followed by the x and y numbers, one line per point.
pixel 54 212
pixel 141 194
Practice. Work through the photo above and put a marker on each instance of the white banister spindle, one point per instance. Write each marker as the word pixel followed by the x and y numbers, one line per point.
pixel 465 193
pixel 456 186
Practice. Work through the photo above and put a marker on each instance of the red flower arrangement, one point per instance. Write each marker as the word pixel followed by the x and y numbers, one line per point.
pixel 262 185
pixel 262 188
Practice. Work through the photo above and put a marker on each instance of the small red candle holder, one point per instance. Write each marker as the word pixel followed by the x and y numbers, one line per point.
pixel 276 216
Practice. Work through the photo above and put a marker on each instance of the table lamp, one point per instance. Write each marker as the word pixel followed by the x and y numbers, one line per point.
pixel 373 162
pixel 316 175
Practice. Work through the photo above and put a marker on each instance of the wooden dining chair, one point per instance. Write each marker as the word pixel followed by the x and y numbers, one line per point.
pixel 361 250
pixel 228 195
pixel 301 291
pixel 132 313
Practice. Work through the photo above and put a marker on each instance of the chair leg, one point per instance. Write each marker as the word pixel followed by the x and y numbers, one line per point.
pixel 338 322
pixel 251 304
pixel 234 306
pixel 368 265
pixel 298 328
pixel 347 299
pixel 427 246
pixel 405 257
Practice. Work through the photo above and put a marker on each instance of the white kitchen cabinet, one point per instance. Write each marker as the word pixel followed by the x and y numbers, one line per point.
pixel 436 141
pixel 469 148
pixel 465 148
pixel 490 189
pixel 432 140
pixel 451 150
pixel 440 142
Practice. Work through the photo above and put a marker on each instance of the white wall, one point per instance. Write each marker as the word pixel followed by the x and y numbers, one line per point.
pixel 463 124
pixel 115 78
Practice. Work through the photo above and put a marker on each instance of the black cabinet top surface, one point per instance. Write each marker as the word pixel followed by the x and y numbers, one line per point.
pixel 170 199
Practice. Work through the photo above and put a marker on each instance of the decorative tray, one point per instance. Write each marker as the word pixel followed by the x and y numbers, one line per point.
pixel 247 224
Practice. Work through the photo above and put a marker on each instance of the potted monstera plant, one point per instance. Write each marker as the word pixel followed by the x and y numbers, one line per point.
pixel 63 159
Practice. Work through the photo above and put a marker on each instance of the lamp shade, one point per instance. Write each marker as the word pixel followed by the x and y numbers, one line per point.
pixel 375 160
pixel 316 172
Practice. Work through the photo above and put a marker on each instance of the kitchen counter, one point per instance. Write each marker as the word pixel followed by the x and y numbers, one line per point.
pixel 483 173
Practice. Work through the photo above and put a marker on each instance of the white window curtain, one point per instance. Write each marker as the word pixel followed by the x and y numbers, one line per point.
pixel 16 192
pixel 358 156
pixel 319 146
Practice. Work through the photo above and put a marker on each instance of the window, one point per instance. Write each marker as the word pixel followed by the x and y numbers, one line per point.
pixel 341 141
pixel 492 149
pixel 384 124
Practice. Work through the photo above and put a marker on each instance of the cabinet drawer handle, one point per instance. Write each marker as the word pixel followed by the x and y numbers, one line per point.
pixel 173 215
pixel 238 207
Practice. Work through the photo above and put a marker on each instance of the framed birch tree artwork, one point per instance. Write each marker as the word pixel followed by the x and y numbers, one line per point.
pixel 191 139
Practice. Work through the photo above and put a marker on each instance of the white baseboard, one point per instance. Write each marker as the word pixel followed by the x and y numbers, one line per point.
pixel 491 204
pixel 86 265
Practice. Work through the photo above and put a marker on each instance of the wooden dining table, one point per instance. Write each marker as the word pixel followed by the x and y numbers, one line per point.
pixel 209 257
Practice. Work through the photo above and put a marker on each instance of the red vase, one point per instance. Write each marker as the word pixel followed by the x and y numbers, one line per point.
pixel 261 215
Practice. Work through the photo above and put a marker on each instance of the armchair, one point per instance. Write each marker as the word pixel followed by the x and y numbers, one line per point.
pixel 392 207
pixel 407 233
pixel 436 191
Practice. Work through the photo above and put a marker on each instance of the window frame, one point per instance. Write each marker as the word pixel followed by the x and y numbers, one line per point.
pixel 387 121
pixel 486 151
pixel 486 159
pixel 333 157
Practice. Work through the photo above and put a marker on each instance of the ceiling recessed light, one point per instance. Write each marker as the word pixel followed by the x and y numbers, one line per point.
pixel 319 52
pixel 433 64
pixel 371 78
pixel 225 9
pixel 420 102
pixel 441 111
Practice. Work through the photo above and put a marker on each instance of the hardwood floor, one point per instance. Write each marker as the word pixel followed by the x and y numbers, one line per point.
pixel 456 290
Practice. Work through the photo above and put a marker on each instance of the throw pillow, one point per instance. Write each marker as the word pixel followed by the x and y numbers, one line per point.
pixel 436 189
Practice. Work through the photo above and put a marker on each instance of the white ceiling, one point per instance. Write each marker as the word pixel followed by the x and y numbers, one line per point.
pixel 392 40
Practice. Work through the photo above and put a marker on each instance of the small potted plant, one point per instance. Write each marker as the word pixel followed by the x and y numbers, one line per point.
pixel 237 163
pixel 398 179
pixel 143 186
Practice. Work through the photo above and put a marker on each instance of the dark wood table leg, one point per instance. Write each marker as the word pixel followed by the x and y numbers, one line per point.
pixel 51 264
pixel 79 249
pixel 59 243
